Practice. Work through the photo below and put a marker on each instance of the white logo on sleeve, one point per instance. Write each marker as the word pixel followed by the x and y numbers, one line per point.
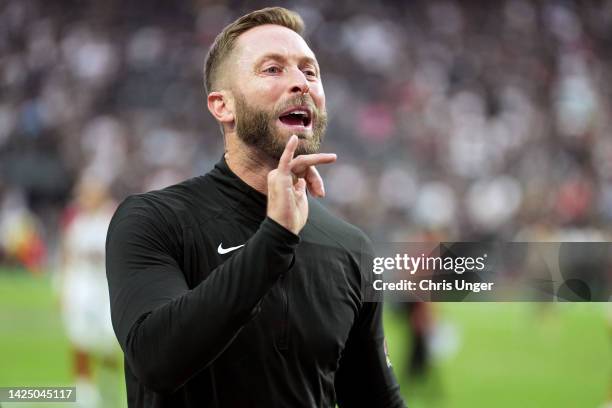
pixel 386 353
pixel 222 250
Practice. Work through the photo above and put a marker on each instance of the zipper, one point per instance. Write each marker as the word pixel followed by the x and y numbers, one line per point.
pixel 284 332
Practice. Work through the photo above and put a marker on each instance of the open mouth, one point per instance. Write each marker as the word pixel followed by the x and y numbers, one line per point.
pixel 298 116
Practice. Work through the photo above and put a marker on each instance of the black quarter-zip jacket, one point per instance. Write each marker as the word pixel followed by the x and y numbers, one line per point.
pixel 216 305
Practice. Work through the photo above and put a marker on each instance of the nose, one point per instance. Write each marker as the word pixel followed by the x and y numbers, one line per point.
pixel 299 83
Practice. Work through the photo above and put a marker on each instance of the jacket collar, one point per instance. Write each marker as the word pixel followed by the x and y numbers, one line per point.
pixel 240 194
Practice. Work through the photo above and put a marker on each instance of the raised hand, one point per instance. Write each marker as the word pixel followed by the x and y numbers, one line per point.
pixel 287 184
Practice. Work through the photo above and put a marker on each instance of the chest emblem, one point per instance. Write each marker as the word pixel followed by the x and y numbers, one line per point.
pixel 223 251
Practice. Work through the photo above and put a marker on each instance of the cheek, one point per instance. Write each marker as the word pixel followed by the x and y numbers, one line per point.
pixel 318 95
pixel 266 90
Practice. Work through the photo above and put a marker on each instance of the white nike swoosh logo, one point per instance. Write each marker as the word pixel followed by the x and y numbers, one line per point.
pixel 222 250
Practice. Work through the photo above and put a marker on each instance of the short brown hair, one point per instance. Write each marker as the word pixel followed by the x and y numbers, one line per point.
pixel 225 41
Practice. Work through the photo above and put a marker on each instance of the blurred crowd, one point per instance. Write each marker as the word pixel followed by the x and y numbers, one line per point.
pixel 451 120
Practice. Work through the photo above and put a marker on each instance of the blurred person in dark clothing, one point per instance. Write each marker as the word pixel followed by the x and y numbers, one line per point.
pixel 419 322
pixel 237 289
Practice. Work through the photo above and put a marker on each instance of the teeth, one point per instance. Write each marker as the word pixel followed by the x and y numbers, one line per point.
pixel 299 112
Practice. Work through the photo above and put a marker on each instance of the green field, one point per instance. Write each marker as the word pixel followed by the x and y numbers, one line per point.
pixel 505 354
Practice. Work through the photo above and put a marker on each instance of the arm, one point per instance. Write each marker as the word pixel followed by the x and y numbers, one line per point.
pixel 365 377
pixel 168 332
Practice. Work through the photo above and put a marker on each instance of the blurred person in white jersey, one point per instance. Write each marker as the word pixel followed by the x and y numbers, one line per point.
pixel 84 292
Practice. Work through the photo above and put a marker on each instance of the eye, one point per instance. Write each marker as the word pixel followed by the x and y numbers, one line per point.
pixel 273 70
pixel 310 72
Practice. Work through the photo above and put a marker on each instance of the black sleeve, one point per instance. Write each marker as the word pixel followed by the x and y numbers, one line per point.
pixel 168 332
pixel 365 377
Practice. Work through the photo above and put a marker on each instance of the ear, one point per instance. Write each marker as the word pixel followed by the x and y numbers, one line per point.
pixel 221 106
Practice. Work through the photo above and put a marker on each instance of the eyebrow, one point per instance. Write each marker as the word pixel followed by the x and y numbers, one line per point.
pixel 281 57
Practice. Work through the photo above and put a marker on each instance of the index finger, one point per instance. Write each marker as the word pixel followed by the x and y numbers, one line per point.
pixel 287 156
pixel 301 163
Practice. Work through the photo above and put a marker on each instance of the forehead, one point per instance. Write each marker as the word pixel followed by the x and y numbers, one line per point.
pixel 271 39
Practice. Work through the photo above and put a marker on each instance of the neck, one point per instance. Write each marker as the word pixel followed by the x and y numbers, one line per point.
pixel 248 163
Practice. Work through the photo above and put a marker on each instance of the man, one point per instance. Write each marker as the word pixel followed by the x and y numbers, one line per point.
pixel 236 289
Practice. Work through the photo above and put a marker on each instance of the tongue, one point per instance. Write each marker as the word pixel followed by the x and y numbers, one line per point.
pixel 292 120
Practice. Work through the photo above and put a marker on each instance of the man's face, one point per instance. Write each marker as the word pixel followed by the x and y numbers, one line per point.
pixel 278 91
